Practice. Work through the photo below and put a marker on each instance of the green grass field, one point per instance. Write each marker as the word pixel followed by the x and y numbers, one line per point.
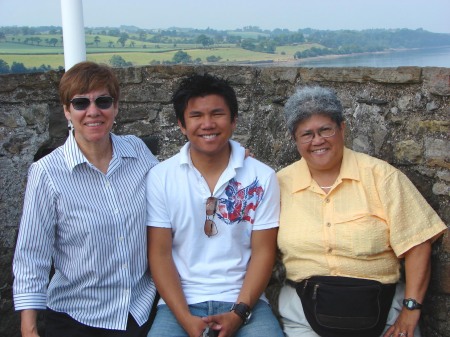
pixel 42 52
pixel 41 56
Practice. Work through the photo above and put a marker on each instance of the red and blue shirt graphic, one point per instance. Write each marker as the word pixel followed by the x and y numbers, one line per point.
pixel 241 202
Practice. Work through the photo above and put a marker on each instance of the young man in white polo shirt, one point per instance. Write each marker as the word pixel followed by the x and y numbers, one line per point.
pixel 213 219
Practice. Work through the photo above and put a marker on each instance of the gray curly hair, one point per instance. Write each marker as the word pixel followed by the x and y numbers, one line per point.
pixel 308 101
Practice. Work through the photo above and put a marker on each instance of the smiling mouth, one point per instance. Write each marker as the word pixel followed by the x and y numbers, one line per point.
pixel 93 124
pixel 210 136
pixel 319 151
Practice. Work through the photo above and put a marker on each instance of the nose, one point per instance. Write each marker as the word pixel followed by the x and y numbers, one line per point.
pixel 317 139
pixel 92 109
pixel 207 122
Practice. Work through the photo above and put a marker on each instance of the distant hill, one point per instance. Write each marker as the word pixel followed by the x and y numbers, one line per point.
pixel 26 47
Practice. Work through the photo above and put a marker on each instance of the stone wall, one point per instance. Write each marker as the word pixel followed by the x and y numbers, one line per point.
pixel 397 114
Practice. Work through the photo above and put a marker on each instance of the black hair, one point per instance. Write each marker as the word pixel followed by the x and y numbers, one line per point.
pixel 200 86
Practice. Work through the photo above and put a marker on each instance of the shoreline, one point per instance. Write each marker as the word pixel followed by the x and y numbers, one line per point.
pixel 298 62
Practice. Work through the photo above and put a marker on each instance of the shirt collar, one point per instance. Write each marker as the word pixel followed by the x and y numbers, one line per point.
pixel 302 177
pixel 74 156
pixel 349 166
pixel 236 158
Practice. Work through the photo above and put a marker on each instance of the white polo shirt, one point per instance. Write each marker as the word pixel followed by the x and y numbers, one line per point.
pixel 212 268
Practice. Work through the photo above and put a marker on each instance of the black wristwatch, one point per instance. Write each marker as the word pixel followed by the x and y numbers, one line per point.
pixel 411 304
pixel 242 310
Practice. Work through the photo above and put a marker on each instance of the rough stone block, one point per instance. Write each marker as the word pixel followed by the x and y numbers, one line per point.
pixel 437 80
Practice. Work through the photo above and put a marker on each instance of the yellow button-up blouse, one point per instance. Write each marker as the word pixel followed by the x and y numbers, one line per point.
pixel 372 215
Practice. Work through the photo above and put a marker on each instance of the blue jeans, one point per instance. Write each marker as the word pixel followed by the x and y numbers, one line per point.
pixel 262 323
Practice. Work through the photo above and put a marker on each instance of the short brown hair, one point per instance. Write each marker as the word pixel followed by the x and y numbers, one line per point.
pixel 85 77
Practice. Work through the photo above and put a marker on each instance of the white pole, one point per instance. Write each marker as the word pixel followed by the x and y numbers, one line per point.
pixel 73 32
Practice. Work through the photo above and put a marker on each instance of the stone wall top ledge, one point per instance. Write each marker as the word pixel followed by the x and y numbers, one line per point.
pixel 10 82
pixel 437 80
pixel 400 75
pixel 277 74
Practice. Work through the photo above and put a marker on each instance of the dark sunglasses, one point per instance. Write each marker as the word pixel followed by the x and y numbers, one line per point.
pixel 101 102
pixel 210 226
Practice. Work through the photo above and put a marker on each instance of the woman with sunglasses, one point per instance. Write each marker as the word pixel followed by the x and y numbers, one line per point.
pixel 84 213
pixel 346 222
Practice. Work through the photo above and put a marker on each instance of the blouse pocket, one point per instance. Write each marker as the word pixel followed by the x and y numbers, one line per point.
pixel 362 235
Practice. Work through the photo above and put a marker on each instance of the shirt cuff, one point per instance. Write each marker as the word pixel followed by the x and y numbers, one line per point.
pixel 30 301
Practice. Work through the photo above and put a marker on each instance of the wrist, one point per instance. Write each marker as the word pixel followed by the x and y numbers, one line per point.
pixel 242 310
pixel 411 304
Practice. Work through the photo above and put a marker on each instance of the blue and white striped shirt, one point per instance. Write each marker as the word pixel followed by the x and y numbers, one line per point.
pixel 92 227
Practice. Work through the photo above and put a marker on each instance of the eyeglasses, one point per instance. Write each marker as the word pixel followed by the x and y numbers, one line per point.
pixel 210 226
pixel 101 102
pixel 324 132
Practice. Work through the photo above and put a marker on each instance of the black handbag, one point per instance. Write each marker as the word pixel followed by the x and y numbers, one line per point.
pixel 338 306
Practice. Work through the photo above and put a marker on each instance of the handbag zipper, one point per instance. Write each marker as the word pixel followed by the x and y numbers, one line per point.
pixel 314 295
pixel 304 287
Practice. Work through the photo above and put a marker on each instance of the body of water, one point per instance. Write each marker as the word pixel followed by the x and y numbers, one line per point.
pixel 430 57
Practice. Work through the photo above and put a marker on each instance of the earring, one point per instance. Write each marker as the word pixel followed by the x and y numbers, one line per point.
pixel 70 125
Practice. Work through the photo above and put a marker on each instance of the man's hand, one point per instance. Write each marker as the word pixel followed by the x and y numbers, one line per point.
pixel 194 325
pixel 227 323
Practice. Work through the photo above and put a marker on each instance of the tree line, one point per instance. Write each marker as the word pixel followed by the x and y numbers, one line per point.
pixel 117 61
pixel 320 42
pixel 19 67
pixel 258 40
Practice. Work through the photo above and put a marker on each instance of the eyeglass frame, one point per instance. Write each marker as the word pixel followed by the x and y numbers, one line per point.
pixel 318 132
pixel 210 217
pixel 110 104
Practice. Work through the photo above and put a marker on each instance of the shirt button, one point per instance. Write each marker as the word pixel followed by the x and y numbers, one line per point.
pixel 116 211
pixel 327 200
pixel 328 224
pixel 121 238
pixel 124 266
pixel 329 250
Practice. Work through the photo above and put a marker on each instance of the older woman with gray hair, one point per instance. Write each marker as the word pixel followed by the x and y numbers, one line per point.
pixel 347 220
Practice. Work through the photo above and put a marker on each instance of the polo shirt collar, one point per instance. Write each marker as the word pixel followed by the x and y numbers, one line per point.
pixel 236 158
pixel 302 177
pixel 185 158
pixel 74 156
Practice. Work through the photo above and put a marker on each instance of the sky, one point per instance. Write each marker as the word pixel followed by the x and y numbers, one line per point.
pixel 431 15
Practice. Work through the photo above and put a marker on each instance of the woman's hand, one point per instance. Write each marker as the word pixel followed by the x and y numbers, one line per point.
pixel 417 274
pixel 405 324
pixel 249 153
